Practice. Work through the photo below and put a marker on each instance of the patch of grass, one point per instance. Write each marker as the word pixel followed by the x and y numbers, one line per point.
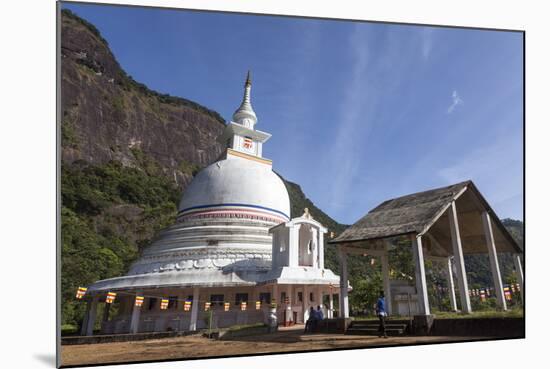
pixel 512 313
pixel 68 329
pixel 189 168
pixel 118 104
pixel 240 327
pixel 68 134
pixel 516 312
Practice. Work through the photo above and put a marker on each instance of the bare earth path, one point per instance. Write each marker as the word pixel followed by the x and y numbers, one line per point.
pixel 198 347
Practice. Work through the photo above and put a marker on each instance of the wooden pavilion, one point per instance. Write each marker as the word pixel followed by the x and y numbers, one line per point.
pixel 442 224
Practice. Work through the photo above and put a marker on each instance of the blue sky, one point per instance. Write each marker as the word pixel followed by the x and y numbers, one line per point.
pixel 359 112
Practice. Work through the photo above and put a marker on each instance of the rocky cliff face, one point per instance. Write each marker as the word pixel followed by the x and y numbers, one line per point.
pixel 108 116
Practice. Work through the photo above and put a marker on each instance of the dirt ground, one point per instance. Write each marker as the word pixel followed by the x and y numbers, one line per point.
pixel 196 346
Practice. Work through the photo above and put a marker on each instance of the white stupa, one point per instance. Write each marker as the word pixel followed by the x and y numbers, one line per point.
pixel 222 249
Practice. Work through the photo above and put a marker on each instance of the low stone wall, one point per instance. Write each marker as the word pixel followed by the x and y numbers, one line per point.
pixel 252 331
pixel 105 338
pixel 482 327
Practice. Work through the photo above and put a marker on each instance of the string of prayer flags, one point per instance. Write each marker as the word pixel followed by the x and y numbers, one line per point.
pixel 81 292
pixel 164 304
pixel 187 305
pixel 507 293
pixel 110 297
pixel 226 306
pixel 258 305
pixel 139 301
pixel 207 306
pixel 243 305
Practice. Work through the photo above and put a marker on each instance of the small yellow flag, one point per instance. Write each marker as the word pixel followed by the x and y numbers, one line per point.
pixel 81 292
pixel 139 301
pixel 110 297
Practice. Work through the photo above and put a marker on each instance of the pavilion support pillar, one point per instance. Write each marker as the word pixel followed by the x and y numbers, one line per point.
pixel 459 260
pixel 420 274
pixel 344 302
pixel 195 305
pixel 519 273
pixel 450 283
pixel 136 313
pixel 386 280
pixel 89 318
pixel 493 260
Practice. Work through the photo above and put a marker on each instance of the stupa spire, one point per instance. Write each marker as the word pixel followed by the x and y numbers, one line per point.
pixel 245 114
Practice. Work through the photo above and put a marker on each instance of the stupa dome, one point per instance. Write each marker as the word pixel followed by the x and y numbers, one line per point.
pixel 237 184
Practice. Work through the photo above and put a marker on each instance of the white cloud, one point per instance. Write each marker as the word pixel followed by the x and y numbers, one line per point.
pixel 427 42
pixel 457 100
pixel 356 109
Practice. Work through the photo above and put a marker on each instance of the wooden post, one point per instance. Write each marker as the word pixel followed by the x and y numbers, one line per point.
pixel 493 259
pixel 420 273
pixel 450 283
pixel 459 259
pixel 519 273
pixel 386 280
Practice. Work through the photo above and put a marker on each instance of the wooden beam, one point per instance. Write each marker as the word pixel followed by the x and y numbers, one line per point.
pixel 442 211
pixel 420 273
pixel 459 260
pixel 493 260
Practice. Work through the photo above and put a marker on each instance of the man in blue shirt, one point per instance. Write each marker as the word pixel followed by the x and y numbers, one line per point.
pixel 381 313
pixel 320 315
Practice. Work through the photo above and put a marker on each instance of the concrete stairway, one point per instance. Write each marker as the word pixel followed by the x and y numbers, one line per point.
pixel 370 327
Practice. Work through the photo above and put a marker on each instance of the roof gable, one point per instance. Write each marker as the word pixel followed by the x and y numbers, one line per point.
pixel 402 215
pixel 418 213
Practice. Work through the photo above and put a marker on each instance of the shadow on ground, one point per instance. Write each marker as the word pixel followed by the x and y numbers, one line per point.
pixel 48 359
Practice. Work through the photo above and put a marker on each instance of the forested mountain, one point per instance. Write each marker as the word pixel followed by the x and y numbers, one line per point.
pixel 127 154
